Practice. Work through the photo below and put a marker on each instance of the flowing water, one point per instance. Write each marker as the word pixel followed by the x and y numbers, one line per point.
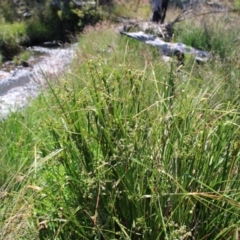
pixel 18 85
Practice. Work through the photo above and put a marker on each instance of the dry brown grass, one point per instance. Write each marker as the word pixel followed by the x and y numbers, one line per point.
pixel 138 9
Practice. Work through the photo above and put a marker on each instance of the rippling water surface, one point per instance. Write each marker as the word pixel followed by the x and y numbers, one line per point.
pixel 18 85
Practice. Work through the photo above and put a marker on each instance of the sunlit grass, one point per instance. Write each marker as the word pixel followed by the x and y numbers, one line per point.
pixel 11 36
pixel 139 9
pixel 125 146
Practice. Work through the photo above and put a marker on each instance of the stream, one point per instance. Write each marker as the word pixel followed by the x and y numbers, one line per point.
pixel 18 85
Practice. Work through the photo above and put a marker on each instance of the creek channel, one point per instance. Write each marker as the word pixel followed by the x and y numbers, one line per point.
pixel 18 85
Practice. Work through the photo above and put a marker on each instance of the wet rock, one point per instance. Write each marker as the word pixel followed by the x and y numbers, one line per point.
pixel 25 64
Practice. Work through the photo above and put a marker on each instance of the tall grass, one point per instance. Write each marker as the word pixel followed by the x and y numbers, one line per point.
pixel 141 159
pixel 126 147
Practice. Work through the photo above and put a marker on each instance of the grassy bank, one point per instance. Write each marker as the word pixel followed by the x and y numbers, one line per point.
pixel 46 21
pixel 125 146
pixel 11 36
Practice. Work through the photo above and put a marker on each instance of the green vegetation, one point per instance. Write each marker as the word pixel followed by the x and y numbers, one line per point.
pixel 236 4
pixel 23 57
pixel 125 146
pixel 215 33
pixel 45 22
pixel 11 36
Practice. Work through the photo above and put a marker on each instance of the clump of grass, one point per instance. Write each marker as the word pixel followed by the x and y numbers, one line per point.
pixel 139 159
pixel 22 57
pixel 130 148
pixel 11 36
